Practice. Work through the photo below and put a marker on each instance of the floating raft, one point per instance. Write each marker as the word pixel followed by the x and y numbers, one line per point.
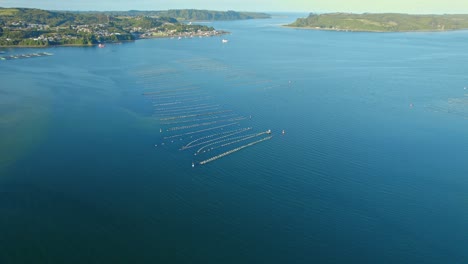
pixel 25 56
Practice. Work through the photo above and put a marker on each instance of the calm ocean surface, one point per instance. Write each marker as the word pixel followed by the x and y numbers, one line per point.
pixel 372 168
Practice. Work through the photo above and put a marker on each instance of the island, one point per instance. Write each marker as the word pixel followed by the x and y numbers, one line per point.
pixel 24 27
pixel 385 22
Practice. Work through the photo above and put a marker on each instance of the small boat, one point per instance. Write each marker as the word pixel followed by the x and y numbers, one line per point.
pixel 160 130
pixel 101 45
pixel 268 131
pixel 225 41
pixel 193 164
pixel 283 132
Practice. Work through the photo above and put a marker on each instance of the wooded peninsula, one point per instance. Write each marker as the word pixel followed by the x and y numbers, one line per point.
pixel 385 22
pixel 42 28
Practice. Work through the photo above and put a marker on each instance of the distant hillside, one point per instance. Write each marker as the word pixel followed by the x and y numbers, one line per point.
pixel 387 22
pixel 54 19
pixel 207 15
pixel 191 14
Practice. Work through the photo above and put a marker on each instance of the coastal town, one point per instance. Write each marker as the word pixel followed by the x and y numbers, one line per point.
pixel 21 27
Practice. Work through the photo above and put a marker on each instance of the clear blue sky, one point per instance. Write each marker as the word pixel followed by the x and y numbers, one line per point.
pixel 403 6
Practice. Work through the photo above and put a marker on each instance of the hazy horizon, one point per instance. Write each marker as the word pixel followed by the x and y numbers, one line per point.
pixel 353 6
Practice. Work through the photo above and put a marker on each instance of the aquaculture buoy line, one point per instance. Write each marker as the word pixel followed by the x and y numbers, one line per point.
pixel 233 150
pixel 230 133
pixel 190 118
pixel 25 56
pixel 232 141
pixel 205 124
pixel 185 108
pixel 192 111
pixel 197 119
pixel 200 131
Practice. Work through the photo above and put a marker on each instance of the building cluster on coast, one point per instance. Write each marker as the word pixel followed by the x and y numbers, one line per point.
pixel 93 34
pixel 29 27
pixel 174 33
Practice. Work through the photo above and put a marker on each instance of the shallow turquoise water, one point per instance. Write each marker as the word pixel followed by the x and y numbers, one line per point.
pixel 371 169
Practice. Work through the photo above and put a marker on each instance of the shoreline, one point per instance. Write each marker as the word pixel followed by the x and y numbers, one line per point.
pixel 219 33
pixel 373 31
pixel 63 45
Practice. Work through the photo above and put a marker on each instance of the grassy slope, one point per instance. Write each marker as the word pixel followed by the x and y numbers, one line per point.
pixel 8 11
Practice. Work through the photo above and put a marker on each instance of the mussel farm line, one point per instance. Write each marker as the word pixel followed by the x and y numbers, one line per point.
pixel 25 56
pixel 234 132
pixel 192 111
pixel 189 116
pixel 201 131
pixel 224 154
pixel 186 87
pixel 179 96
pixel 198 119
pixel 206 123
pixel 172 110
pixel 233 140
pixel 194 115
pixel 183 107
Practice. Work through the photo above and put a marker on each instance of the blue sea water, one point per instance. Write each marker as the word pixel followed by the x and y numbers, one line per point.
pixel 372 167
